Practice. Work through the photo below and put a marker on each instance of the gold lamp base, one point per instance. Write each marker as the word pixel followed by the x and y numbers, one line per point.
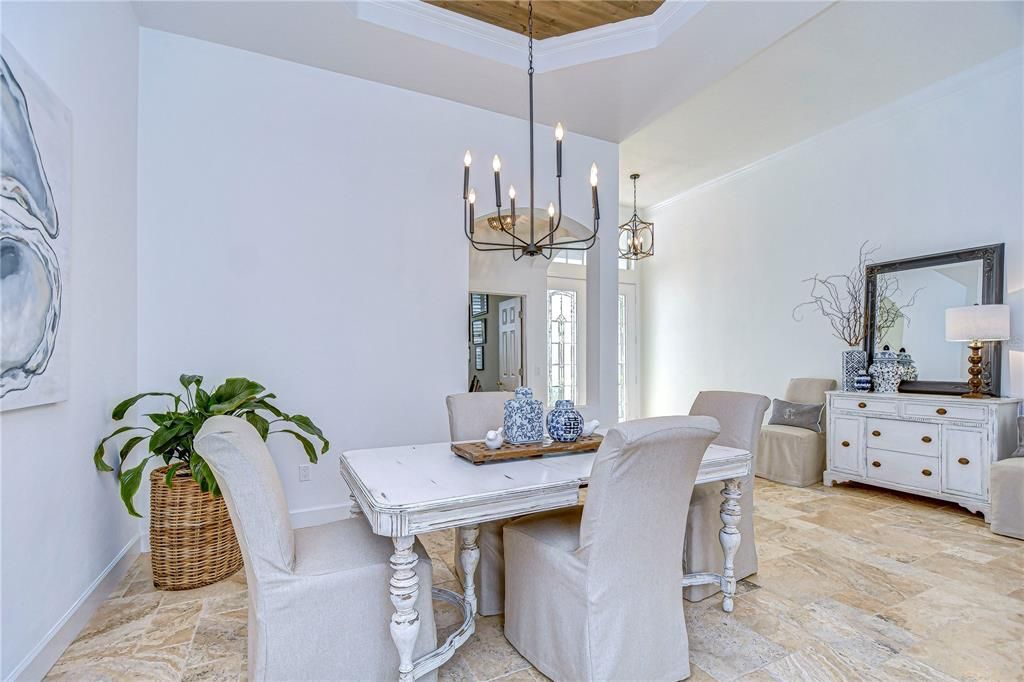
pixel 975 371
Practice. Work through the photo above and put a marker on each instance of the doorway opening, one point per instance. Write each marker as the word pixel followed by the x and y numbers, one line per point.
pixel 495 342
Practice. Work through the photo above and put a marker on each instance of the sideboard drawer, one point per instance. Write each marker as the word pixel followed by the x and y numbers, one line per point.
pixel 963 461
pixel 916 437
pixel 972 413
pixel 903 468
pixel 865 405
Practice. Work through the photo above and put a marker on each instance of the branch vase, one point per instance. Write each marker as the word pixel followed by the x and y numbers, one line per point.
pixel 855 362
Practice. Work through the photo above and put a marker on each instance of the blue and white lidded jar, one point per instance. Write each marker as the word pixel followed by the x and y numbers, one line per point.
pixel 906 361
pixel 524 418
pixel 565 423
pixel 886 371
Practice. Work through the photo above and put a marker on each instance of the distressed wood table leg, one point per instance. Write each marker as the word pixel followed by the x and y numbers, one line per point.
pixel 729 536
pixel 355 509
pixel 469 557
pixel 405 622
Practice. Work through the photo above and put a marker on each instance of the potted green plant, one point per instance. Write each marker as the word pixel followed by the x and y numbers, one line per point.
pixel 191 537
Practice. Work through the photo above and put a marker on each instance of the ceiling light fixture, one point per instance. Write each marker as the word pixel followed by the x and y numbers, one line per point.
pixel 526 242
pixel 636 236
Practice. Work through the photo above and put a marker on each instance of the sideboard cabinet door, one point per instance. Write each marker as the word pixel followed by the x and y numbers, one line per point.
pixel 963 460
pixel 847 444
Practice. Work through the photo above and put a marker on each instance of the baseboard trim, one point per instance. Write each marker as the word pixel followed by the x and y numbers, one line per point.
pixel 314 516
pixel 42 657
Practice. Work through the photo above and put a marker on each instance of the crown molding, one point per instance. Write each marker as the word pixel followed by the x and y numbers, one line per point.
pixel 498 44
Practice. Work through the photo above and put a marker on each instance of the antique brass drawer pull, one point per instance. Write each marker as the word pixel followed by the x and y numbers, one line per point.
pixel 940 411
pixel 862 405
pixel 876 433
pixel 846 443
pixel 876 463
pixel 926 472
pixel 964 460
pixel 926 439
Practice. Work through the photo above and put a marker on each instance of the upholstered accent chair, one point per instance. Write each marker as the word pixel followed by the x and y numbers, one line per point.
pixel 789 454
pixel 739 416
pixel 318 604
pixel 1007 486
pixel 470 417
pixel 592 593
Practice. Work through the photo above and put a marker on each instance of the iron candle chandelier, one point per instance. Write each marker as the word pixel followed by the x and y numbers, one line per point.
pixel 521 243
pixel 636 237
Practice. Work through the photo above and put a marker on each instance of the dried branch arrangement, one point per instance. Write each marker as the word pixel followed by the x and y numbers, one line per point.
pixel 840 299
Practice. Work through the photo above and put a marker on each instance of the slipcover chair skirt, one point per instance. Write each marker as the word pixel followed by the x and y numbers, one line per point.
pixel 593 593
pixel 791 455
pixel 319 608
pixel 470 417
pixel 739 416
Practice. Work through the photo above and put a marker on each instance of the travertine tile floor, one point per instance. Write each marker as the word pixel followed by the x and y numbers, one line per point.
pixel 854 583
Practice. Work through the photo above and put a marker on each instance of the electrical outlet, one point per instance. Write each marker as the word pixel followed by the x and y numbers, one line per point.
pixel 303 472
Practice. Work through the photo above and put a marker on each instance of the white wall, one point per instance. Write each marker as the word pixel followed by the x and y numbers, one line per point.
pixel 63 522
pixel 939 170
pixel 288 215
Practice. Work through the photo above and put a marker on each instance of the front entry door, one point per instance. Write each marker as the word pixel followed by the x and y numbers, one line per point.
pixel 510 348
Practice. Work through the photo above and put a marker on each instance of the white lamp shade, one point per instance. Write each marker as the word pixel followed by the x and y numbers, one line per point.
pixel 978 323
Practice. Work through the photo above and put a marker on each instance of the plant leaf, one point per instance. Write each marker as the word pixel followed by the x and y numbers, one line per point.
pixel 173 469
pixel 187 380
pixel 125 405
pixel 202 399
pixel 164 435
pixel 130 480
pixel 232 393
pixel 261 425
pixel 97 457
pixel 306 445
pixel 307 425
pixel 129 444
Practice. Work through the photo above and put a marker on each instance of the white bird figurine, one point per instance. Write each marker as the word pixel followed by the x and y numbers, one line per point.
pixel 494 439
pixel 590 427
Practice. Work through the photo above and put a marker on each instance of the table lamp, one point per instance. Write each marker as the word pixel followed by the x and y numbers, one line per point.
pixel 975 324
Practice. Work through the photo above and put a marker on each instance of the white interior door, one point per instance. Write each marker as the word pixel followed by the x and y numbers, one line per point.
pixel 510 347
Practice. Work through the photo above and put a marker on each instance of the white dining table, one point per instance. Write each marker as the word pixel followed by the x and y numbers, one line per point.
pixel 406 490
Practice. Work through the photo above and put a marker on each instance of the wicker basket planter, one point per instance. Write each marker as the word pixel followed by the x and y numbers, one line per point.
pixel 190 534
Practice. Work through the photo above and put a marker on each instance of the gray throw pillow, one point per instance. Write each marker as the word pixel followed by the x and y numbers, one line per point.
pixel 800 415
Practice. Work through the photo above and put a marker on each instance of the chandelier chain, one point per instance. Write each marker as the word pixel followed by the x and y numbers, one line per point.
pixel 529 25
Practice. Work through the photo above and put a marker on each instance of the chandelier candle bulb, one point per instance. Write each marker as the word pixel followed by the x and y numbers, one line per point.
pixel 496 165
pixel 512 204
pixel 471 196
pixel 551 218
pixel 467 159
pixel 593 191
pixel 559 133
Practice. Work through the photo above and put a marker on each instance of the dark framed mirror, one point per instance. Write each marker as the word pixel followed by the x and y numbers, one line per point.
pixel 906 302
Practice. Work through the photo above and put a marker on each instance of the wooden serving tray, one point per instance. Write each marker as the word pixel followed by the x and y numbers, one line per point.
pixel 477 452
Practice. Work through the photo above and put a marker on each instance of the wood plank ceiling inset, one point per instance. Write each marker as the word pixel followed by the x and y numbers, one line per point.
pixel 550 17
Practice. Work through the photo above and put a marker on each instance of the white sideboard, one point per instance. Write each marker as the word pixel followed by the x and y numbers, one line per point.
pixel 933 445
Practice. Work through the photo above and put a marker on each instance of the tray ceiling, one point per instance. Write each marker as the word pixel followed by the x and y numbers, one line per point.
pixel 551 18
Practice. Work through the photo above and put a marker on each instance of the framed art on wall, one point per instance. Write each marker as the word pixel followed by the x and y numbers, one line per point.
pixel 478 304
pixel 479 357
pixel 479 332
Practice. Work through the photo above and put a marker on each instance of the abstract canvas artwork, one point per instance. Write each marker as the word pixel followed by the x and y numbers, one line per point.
pixel 35 205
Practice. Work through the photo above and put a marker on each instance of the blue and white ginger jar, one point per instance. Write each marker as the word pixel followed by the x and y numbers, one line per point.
pixel 886 371
pixel 565 423
pixel 906 361
pixel 524 418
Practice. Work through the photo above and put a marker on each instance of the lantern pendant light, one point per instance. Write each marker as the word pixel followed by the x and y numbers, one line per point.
pixel 636 236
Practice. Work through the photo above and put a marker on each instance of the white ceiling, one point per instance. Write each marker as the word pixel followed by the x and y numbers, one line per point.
pixel 716 86
pixel 850 59
pixel 609 98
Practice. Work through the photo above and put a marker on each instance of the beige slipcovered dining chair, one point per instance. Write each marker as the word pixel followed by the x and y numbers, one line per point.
pixel 789 454
pixel 592 593
pixel 470 417
pixel 319 607
pixel 739 417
